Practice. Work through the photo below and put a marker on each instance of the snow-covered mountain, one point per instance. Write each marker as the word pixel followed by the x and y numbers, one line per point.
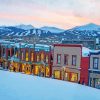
pixel 88 27
pixel 88 31
pixel 25 27
pixel 52 29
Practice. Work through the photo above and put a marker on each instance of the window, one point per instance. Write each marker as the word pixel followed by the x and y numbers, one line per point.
pixel 4 51
pixel 74 77
pixel 57 74
pixel 26 56
pixel 8 52
pixel 42 56
pixel 95 62
pixel 32 56
pixel 47 58
pixel 16 54
pixel 22 55
pixel 66 59
pixel 74 58
pixel 37 58
pixel 58 58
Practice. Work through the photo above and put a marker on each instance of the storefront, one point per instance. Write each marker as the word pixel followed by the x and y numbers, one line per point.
pixel 28 69
pixel 57 74
pixel 5 64
pixel 36 70
pixel 41 70
pixel 15 66
pixel 94 80
pixel 74 77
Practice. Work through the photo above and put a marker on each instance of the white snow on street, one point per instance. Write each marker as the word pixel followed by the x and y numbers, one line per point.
pixel 17 86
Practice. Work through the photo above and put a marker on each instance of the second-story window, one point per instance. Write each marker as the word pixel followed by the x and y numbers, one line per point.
pixel 22 55
pixel 95 62
pixel 4 51
pixel 8 52
pixel 42 56
pixel 74 59
pixel 32 56
pixel 26 56
pixel 47 59
pixel 58 58
pixel 37 58
pixel 16 54
pixel 66 59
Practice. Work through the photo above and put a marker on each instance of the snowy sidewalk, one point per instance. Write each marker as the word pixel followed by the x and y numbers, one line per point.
pixel 16 86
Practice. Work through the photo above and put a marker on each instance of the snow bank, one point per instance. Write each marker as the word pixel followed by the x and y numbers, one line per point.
pixel 16 86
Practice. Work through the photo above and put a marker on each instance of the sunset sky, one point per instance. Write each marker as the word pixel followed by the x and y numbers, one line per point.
pixel 59 13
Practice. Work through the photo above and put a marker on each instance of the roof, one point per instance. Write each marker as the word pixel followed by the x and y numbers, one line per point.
pixel 68 45
pixel 95 52
pixel 37 47
pixel 85 52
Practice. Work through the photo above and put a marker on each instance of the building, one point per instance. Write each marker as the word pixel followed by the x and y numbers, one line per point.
pixel 29 58
pixel 7 52
pixel 43 61
pixel 67 62
pixel 94 69
pixel 84 66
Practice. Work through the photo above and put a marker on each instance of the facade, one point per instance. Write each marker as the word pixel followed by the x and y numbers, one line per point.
pixel 84 66
pixel 94 69
pixel 27 58
pixel 84 70
pixel 67 62
pixel 42 65
pixel 7 52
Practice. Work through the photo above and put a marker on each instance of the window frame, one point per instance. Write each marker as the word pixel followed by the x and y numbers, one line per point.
pixel 73 60
pixel 57 58
pixel 95 63
pixel 66 60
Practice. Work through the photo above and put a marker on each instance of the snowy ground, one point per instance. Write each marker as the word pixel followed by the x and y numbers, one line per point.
pixel 16 86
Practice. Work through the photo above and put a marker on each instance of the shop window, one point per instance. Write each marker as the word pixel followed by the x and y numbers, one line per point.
pixel 32 56
pixel 95 62
pixel 57 74
pixel 74 77
pixel 66 59
pixel 97 83
pixel 36 70
pixel 74 59
pixel 58 58
pixel 27 56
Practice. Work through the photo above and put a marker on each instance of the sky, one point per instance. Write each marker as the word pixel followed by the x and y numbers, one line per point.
pixel 58 13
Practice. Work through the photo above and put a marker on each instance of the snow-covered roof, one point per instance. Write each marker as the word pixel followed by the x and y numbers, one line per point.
pixel 95 52
pixel 44 47
pixel 85 52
